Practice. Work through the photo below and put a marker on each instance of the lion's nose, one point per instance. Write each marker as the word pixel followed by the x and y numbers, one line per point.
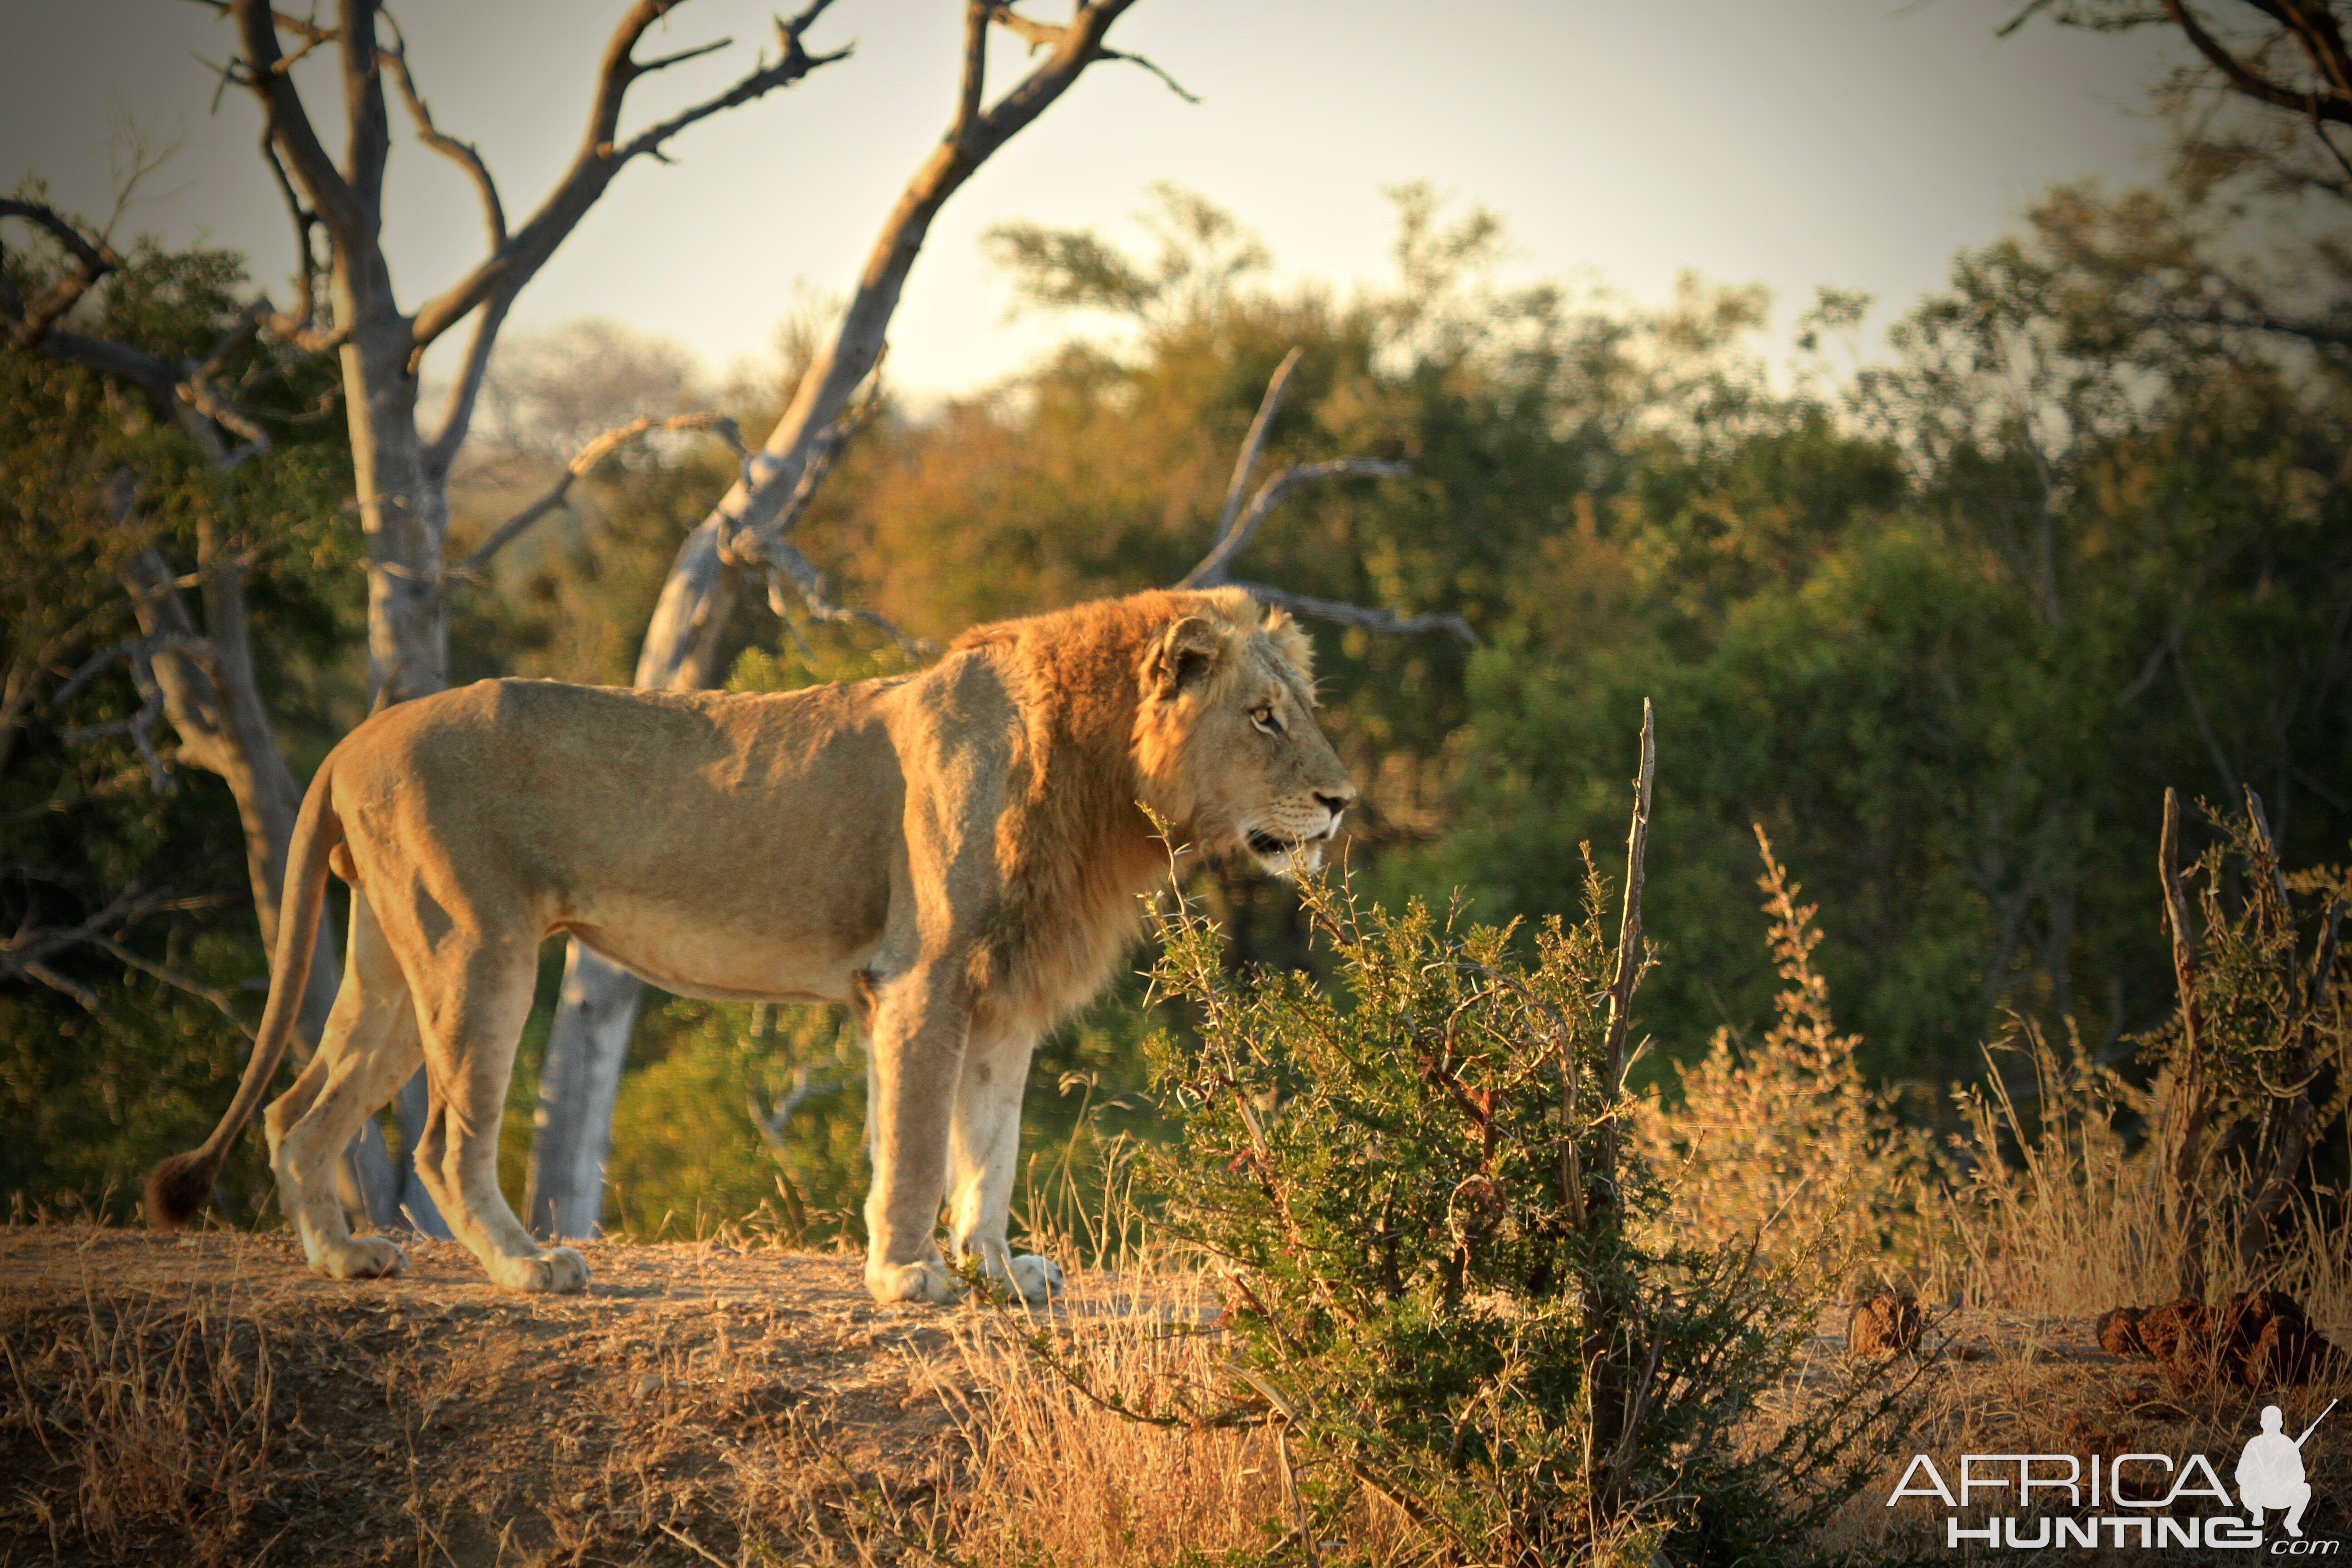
pixel 1335 804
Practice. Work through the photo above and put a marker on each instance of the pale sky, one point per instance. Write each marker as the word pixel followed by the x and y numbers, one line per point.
pixel 1857 142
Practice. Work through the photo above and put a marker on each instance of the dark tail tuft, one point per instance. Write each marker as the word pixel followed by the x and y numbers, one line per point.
pixel 178 1190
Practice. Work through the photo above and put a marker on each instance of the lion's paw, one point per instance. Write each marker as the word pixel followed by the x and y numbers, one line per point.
pixel 1037 1276
pixel 558 1272
pixel 927 1281
pixel 360 1258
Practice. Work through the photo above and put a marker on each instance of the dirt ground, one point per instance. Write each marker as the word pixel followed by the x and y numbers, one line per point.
pixel 203 1398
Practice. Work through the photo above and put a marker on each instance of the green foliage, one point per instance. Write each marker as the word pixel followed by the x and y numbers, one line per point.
pixel 1437 1285
pixel 2266 970
pixel 111 1065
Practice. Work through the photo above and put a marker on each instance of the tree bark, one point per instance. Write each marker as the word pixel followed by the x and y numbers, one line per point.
pixel 401 479
pixel 684 640
pixel 211 701
pixel 573 1127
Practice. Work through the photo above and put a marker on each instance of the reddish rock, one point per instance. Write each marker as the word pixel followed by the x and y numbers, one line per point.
pixel 2118 1331
pixel 2287 1352
pixel 1884 1324
pixel 2179 1335
pixel 2258 1338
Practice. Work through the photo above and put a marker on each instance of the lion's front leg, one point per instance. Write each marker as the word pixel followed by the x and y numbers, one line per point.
pixel 915 1055
pixel 983 1151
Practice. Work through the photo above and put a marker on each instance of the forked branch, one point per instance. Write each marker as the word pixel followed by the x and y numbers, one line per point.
pixel 601 154
pixel 514 259
pixel 1237 524
pixel 93 260
pixel 1049 35
pixel 26 952
pixel 596 450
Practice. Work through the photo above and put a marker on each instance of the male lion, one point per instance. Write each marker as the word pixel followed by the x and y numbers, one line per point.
pixel 956 854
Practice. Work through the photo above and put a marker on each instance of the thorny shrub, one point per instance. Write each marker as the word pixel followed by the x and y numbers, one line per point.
pixel 1433 1293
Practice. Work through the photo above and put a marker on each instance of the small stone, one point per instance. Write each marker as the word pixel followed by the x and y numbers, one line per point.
pixel 2118 1330
pixel 1889 1321
pixel 650 1384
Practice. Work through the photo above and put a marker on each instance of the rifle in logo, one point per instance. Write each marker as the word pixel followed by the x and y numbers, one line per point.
pixel 2270 1470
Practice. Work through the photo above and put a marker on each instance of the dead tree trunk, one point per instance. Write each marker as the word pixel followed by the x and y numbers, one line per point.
pixel 684 639
pixel 401 473
pixel 204 682
pixel 1613 1436
pixel 2190 1106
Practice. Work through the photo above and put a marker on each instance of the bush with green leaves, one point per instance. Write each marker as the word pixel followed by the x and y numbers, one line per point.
pixel 1440 1284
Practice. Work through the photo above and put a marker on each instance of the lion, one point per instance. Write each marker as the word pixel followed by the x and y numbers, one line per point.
pixel 956 856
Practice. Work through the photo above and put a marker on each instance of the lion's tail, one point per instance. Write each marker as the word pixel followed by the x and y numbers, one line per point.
pixel 179 1187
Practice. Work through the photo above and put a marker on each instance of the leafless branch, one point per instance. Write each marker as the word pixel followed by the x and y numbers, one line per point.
pixel 343 209
pixel 1169 81
pixel 1049 35
pixel 139 653
pixel 769 549
pixel 187 395
pixel 785 561
pixel 219 999
pixel 773 1122
pixel 647 68
pixel 462 153
pixel 585 460
pixel 972 79
pixel 1238 525
pixel 1212 569
pixel 2332 102
pixel 493 284
pixel 294 326
pixel 1385 622
pixel 1251 443
pixel 2190 1105
pixel 26 952
pixel 93 260
pixel 1628 972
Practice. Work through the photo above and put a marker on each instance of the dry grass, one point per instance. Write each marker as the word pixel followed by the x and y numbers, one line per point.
pixel 1789 1130
pixel 162 1418
pixel 2062 1214
pixel 735 1403
pixel 1054 1476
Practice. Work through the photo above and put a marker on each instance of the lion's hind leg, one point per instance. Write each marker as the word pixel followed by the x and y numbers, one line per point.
pixel 368 1051
pixel 470 1009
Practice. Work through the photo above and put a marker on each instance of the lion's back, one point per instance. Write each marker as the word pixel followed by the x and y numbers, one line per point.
pixel 544 782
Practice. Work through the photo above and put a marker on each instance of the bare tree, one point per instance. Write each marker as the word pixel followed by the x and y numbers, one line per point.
pixel 749 529
pixel 202 684
pixel 2267 107
pixel 346 301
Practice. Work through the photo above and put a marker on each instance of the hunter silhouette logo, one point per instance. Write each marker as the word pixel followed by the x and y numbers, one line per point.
pixel 2149 1496
pixel 2269 1472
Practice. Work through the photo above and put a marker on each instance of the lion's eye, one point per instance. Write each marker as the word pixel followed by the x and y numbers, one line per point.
pixel 1265 720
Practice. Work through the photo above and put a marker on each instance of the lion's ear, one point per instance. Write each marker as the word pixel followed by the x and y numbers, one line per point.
pixel 1183 656
pixel 1290 641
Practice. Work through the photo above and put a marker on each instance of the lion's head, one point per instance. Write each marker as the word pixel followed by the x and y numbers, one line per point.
pixel 1225 739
